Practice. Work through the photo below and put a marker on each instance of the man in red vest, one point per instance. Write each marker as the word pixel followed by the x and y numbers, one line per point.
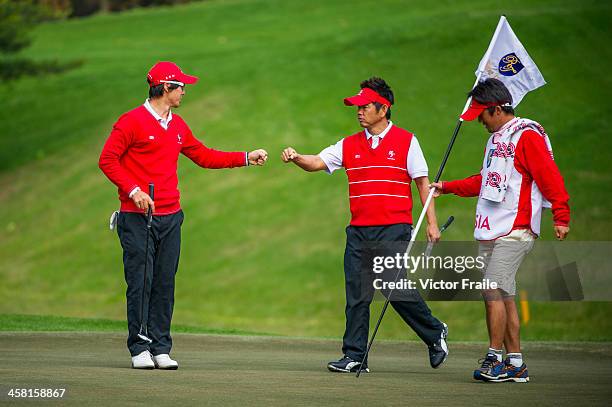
pixel 380 162
pixel 143 148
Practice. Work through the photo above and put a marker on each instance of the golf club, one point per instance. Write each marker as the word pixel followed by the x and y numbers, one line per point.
pixel 382 314
pixel 142 335
pixel 430 245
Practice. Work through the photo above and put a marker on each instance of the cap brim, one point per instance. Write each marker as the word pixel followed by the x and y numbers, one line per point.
pixel 472 113
pixel 187 79
pixel 357 100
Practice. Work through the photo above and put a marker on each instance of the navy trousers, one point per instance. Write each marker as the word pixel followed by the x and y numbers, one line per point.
pixel 162 264
pixel 360 292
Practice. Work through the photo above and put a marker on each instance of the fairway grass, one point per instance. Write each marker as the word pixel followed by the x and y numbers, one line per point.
pixel 546 327
pixel 52 323
pixel 270 371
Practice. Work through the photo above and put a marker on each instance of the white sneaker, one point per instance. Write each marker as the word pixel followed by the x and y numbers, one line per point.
pixel 143 361
pixel 163 361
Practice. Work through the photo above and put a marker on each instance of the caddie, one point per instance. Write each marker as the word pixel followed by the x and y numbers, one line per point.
pixel 143 147
pixel 381 161
pixel 517 179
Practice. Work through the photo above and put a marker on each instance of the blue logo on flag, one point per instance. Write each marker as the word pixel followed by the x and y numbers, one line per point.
pixel 510 65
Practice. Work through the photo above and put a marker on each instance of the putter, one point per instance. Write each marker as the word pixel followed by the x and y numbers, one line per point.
pixel 382 314
pixel 142 335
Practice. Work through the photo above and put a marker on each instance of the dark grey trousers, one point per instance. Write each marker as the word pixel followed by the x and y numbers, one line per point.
pixel 163 259
pixel 360 292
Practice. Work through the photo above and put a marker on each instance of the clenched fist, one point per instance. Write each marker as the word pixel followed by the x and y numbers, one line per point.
pixel 258 157
pixel 289 154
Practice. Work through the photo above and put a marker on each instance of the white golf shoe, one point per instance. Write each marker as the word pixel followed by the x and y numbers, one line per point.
pixel 163 361
pixel 143 361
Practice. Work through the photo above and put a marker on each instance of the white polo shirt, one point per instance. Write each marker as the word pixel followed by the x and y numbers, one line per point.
pixel 416 164
pixel 162 122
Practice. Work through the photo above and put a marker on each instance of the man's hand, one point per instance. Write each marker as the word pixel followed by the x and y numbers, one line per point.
pixel 304 161
pixel 289 154
pixel 258 157
pixel 433 233
pixel 143 201
pixel 561 231
pixel 438 187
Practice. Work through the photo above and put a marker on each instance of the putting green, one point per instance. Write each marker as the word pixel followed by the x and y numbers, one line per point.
pixel 244 370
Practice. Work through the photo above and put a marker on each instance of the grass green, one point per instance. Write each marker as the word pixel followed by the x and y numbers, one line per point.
pixel 262 247
pixel 54 323
pixel 270 371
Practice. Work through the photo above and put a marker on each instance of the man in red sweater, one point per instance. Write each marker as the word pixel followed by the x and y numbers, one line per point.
pixel 518 178
pixel 380 161
pixel 143 148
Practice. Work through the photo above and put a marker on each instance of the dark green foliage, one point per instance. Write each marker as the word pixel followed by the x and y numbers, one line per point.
pixel 15 68
pixel 17 18
pixel 81 8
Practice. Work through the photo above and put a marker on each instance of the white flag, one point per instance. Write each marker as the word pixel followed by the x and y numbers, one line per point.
pixel 507 60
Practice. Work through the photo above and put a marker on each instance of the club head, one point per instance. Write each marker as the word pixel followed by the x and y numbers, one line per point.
pixel 145 338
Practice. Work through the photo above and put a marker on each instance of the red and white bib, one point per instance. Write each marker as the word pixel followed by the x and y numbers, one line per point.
pixel 496 219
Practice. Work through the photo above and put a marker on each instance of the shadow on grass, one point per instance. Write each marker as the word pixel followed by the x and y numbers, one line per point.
pixel 51 323
pixel 14 68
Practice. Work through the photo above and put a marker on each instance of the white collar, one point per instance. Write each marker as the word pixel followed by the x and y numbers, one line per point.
pixel 160 119
pixel 382 134
pixel 507 124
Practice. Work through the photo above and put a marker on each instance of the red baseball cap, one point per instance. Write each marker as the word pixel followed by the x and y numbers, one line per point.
pixel 163 72
pixel 476 108
pixel 364 97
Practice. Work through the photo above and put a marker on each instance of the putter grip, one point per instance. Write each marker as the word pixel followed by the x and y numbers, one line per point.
pixel 150 212
pixel 447 224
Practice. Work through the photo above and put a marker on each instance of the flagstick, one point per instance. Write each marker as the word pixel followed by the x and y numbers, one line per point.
pixel 432 190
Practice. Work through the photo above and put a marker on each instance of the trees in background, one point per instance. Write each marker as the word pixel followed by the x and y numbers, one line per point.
pixel 17 19
pixel 81 8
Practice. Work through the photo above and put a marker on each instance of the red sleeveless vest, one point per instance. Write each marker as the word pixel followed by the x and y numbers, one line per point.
pixel 379 184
